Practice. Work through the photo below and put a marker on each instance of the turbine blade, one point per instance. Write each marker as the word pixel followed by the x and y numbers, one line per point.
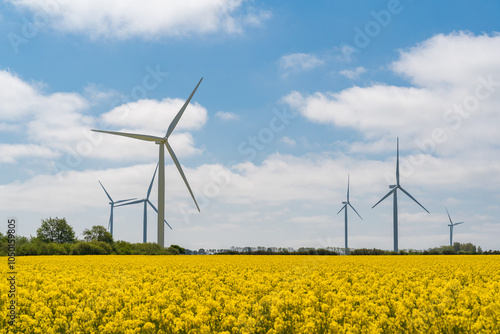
pixel 387 195
pixel 342 209
pixel 156 210
pixel 458 223
pixel 347 188
pixel 397 163
pixel 179 168
pixel 151 184
pixel 124 200
pixel 408 194
pixel 131 135
pixel 105 191
pixel 355 211
pixel 128 203
pixel 448 215
pixel 181 111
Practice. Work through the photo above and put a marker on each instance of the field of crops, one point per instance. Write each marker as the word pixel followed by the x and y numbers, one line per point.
pixel 254 294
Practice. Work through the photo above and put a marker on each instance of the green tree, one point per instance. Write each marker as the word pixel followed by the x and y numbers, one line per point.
pixel 55 230
pixel 179 248
pixel 97 233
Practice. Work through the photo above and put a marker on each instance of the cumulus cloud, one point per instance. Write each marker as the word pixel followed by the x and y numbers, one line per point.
pixel 226 116
pixel 57 125
pixel 156 116
pixel 288 141
pixel 11 153
pixel 20 99
pixel 454 97
pixel 148 18
pixel 353 74
pixel 456 59
pixel 298 62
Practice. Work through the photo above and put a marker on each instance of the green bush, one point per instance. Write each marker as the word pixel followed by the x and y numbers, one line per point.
pixel 91 248
pixel 122 248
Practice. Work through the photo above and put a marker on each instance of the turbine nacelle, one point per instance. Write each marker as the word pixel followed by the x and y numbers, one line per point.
pixel 392 186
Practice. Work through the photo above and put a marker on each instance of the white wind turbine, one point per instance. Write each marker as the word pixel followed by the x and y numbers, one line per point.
pixel 451 224
pixel 347 203
pixel 112 203
pixel 146 201
pixel 394 189
pixel 163 142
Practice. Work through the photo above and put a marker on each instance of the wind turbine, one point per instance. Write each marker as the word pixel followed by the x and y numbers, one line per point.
pixel 163 142
pixel 346 203
pixel 112 203
pixel 146 201
pixel 393 190
pixel 451 226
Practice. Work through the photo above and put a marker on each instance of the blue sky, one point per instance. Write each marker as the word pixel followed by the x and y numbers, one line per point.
pixel 295 96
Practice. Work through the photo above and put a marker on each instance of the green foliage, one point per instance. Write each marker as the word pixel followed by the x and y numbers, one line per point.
pixel 173 250
pixel 42 248
pixel 373 251
pixel 55 230
pixel 148 248
pixel 122 248
pixel 457 248
pixel 97 233
pixel 179 249
pixel 91 248
pixel 269 251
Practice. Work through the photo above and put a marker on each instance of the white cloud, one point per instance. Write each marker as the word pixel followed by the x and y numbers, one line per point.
pixel 288 141
pixel 456 59
pixel 456 95
pixel 353 74
pixel 372 109
pixel 298 62
pixel 20 99
pixel 147 18
pixel 312 220
pixel 155 116
pixel 57 125
pixel 226 116
pixel 11 153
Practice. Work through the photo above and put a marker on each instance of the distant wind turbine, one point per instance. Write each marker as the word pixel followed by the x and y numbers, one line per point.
pixel 161 141
pixel 112 203
pixel 451 224
pixel 394 189
pixel 347 203
pixel 146 201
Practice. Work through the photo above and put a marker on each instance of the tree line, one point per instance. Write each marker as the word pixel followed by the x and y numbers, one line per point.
pixel 457 248
pixel 56 237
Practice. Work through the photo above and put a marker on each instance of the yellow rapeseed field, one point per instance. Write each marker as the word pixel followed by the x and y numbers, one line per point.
pixel 254 294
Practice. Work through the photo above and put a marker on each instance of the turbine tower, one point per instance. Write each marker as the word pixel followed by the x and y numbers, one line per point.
pixel 347 203
pixel 393 191
pixel 112 203
pixel 146 201
pixel 451 224
pixel 163 142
